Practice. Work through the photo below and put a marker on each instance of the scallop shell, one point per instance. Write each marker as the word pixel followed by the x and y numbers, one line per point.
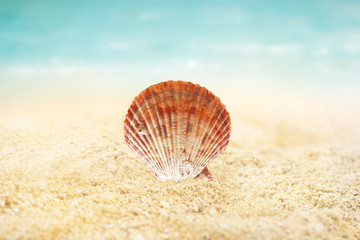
pixel 177 128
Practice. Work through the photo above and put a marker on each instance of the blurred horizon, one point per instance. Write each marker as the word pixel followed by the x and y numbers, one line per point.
pixel 120 45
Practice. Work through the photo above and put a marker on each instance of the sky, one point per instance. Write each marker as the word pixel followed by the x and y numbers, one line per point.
pixel 308 45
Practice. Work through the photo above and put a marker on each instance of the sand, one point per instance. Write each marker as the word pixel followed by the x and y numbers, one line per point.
pixel 291 171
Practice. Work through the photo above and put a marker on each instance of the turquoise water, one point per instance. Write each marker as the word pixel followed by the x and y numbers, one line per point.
pixel 308 44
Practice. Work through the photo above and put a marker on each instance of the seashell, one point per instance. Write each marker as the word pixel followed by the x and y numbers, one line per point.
pixel 177 128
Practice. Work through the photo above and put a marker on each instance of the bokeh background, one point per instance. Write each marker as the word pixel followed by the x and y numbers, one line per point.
pixel 122 46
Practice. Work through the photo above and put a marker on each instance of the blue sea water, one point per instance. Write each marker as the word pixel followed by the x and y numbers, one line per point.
pixel 308 44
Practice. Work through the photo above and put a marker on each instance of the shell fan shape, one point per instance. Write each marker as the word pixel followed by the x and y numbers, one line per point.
pixel 177 128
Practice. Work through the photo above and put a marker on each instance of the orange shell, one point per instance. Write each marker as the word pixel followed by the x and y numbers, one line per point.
pixel 177 128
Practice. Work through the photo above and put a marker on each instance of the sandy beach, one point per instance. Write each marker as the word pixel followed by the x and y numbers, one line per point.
pixel 291 171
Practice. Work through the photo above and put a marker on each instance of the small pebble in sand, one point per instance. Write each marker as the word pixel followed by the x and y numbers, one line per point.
pixel 112 168
pixel 93 183
pixel 164 204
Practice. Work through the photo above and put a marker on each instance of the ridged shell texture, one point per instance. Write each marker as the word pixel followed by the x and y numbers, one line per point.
pixel 177 128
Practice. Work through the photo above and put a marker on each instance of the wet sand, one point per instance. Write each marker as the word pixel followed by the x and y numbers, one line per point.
pixel 291 171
